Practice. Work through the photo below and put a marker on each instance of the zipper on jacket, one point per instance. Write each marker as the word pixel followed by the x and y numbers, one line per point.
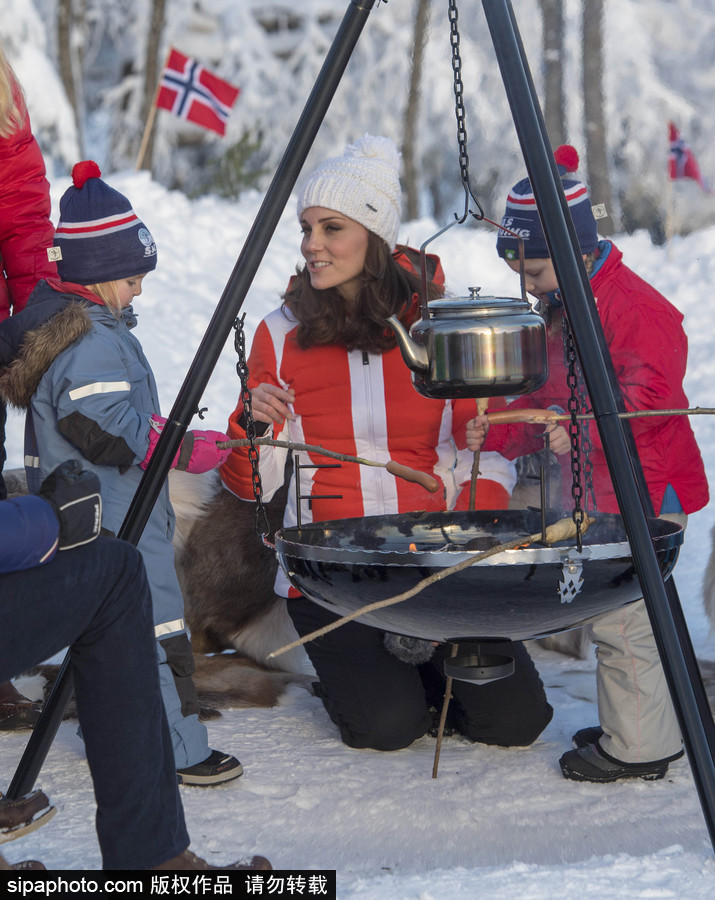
pixel 374 476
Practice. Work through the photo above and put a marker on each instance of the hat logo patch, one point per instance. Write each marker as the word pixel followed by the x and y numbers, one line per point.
pixel 507 229
pixel 148 241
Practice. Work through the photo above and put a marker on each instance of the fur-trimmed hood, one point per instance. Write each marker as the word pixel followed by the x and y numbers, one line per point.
pixel 30 341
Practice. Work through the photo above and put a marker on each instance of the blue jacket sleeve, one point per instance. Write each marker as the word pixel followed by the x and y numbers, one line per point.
pixel 95 393
pixel 29 533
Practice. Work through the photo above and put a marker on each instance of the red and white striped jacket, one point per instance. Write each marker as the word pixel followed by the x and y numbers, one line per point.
pixel 364 405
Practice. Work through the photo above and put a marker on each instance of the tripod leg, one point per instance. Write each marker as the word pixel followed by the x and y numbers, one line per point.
pixel 43 734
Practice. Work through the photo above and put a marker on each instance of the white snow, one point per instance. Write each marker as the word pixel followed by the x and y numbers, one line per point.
pixel 495 823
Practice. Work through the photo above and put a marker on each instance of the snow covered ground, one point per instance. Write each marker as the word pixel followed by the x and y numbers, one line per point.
pixel 495 823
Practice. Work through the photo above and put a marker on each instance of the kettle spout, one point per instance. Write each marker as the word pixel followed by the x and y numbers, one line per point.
pixel 414 354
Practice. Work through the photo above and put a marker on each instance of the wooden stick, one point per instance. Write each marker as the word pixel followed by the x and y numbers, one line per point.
pixel 559 531
pixel 428 482
pixel 150 118
pixel 544 416
pixel 481 409
pixel 443 715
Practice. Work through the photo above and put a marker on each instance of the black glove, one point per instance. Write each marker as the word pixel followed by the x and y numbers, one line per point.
pixel 74 496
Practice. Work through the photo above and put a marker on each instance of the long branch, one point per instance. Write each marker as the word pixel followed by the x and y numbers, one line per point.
pixel 544 416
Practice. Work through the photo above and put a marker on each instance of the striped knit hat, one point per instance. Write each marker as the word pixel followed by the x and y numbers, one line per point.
pixel 99 237
pixel 521 215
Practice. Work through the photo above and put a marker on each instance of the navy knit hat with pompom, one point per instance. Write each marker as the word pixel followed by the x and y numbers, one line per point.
pixel 99 236
pixel 521 215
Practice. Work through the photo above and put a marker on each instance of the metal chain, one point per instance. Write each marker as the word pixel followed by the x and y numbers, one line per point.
pixel 239 343
pixel 459 110
pixel 574 430
pixel 586 445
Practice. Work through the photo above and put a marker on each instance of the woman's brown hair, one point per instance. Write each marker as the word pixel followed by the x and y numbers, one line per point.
pixel 387 288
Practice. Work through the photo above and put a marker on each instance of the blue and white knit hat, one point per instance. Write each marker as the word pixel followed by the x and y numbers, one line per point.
pixel 99 236
pixel 521 215
pixel 363 184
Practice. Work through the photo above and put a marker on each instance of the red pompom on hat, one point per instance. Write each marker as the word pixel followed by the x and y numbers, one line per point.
pixel 521 216
pixel 566 156
pixel 83 171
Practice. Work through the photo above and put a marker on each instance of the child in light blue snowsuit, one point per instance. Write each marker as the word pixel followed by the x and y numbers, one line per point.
pixel 88 387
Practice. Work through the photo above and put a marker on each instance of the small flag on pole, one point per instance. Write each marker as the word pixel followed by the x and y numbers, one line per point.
pixel 190 91
pixel 681 160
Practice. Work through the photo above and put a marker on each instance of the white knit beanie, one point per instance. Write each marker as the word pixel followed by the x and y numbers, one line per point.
pixel 363 184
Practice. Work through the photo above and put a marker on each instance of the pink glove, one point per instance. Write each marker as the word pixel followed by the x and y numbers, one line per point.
pixel 198 452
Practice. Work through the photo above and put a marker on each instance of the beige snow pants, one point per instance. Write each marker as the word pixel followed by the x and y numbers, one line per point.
pixel 634 705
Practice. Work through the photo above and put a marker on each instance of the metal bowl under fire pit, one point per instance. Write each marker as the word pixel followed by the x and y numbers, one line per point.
pixel 519 594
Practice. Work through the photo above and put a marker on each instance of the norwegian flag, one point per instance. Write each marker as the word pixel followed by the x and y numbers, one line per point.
pixel 681 159
pixel 190 91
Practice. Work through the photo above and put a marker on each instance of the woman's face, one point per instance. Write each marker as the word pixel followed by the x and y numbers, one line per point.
pixel 334 248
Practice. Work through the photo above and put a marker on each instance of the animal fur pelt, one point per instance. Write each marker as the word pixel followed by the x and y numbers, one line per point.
pixel 226 573
pixel 227 576
pixel 223 681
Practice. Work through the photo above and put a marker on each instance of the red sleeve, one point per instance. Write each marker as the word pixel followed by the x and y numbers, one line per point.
pixel 26 230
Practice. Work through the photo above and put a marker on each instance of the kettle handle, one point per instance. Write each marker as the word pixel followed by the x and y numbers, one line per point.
pixel 424 308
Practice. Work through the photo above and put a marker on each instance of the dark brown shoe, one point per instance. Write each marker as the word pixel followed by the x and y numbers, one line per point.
pixel 17 713
pixel 188 861
pixel 27 865
pixel 19 817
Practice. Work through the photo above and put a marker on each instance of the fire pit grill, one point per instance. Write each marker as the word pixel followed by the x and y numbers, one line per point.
pixel 519 594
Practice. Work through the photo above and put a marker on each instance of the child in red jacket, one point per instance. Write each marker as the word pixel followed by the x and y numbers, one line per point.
pixel 638 734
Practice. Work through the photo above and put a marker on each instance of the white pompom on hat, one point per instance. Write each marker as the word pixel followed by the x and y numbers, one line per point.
pixel 363 184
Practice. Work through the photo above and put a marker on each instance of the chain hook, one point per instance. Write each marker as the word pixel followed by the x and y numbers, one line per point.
pixel 261 522
pixel 460 113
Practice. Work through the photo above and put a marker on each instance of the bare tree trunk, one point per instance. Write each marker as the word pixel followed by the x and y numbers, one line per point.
pixel 152 73
pixel 70 68
pixel 593 111
pixel 552 40
pixel 412 109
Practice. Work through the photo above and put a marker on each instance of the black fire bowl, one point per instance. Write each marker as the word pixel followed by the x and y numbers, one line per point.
pixel 520 594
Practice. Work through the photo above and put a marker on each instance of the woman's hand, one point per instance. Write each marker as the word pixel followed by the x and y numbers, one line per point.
pixel 559 440
pixel 477 429
pixel 270 403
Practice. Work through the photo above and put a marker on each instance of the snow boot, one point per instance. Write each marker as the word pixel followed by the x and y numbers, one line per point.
pixel 217 768
pixel 19 817
pixel 27 865
pixel 591 763
pixel 17 713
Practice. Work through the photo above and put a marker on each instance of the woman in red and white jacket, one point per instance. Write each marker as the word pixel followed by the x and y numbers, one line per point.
pixel 325 370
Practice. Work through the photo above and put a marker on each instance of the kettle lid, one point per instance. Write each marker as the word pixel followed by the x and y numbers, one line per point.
pixel 475 304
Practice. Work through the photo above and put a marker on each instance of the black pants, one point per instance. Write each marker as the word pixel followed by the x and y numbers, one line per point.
pixel 380 702
pixel 95 600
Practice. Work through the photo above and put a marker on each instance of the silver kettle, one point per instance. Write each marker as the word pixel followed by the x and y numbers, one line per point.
pixel 475 347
